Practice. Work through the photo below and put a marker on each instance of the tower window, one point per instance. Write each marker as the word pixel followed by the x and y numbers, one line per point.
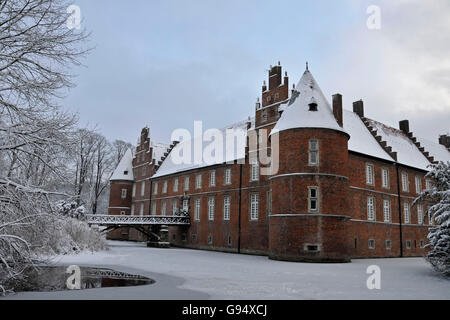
pixel 313 199
pixel 124 193
pixel 264 115
pixel 371 208
pixel 313 152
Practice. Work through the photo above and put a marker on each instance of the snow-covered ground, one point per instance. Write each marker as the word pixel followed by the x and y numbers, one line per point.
pixel 196 274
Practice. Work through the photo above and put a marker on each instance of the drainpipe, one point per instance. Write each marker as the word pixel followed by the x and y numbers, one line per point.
pixel 399 209
pixel 239 215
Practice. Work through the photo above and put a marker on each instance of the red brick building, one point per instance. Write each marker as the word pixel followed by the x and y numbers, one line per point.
pixel 343 186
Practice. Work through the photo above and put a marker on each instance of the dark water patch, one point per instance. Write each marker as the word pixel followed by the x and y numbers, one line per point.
pixel 47 279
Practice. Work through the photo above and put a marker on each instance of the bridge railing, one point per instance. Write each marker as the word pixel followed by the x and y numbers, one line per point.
pixel 109 220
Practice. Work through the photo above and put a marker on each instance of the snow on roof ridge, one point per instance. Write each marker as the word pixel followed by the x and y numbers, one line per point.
pixel 297 114
pixel 124 170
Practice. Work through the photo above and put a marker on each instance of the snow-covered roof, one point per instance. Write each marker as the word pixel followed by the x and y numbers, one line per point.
pixel 436 150
pixel 407 152
pixel 361 140
pixel 297 114
pixel 231 150
pixel 124 170
pixel 158 150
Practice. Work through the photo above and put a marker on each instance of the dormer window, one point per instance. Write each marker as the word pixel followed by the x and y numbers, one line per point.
pixel 125 172
pixel 312 105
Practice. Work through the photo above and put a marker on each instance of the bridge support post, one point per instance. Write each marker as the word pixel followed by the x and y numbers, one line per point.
pixel 163 242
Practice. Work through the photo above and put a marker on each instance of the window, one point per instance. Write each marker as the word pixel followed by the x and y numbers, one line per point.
pixel 226 207
pixel 164 187
pixel 313 152
pixel 144 170
pixel 371 243
pixel 186 205
pixel 174 207
pixel 421 244
pixel 154 208
pixel 406 211
pixel 141 211
pixel 124 193
pixel 230 241
pixel 134 190
pixel 142 188
pixel 420 214
pixel 388 244
pixel 194 237
pixel 163 208
pixel 428 184
pixel 227 176
pixel 313 199
pixel 255 170
pixel 155 188
pixel 212 178
pixel 269 202
pixel 369 174
pixel 210 239
pixel 175 185
pixel 405 183
pixel 211 206
pixel 183 237
pixel 186 183
pixel 408 244
pixel 264 115
pixel 132 209
pixel 430 219
pixel 371 208
pixel 387 210
pixel 385 178
pixel 418 184
pixel 198 181
pixel 122 213
pixel 197 209
pixel 254 203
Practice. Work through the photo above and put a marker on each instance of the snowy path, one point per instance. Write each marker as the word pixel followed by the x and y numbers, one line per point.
pixel 195 274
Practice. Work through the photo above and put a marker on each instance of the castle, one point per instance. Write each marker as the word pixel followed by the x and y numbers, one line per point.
pixel 344 185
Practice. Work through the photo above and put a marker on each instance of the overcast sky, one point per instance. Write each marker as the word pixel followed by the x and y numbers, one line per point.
pixel 167 63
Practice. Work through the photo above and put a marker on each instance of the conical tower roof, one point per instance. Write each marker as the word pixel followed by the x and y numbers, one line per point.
pixel 308 108
pixel 124 170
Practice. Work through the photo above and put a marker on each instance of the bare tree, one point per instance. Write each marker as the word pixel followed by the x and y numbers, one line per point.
pixel 120 147
pixel 37 51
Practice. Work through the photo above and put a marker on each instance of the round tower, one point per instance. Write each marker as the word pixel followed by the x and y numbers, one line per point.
pixel 120 193
pixel 310 210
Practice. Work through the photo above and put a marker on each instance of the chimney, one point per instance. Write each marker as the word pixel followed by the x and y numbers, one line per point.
pixel 404 126
pixel 337 108
pixel 444 139
pixel 275 76
pixel 286 80
pixel 358 108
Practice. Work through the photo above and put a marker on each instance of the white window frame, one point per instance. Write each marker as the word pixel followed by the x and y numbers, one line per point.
pixel 370 179
pixel 122 213
pixel 418 182
pixel 313 148
pixel 387 210
pixel 141 210
pixel 405 182
pixel 311 199
pixel 155 188
pixel 154 208
pixel 408 244
pixel 385 178
pixel 371 213
pixel 254 206
pixel 164 187
pixel 388 247
pixel 133 193
pixel 406 212
pixel 228 176
pixel 212 178
pixel 164 208
pixel 197 209
pixel 226 207
pixel 174 207
pixel 254 174
pixel 175 185
pixel 186 183
pixel 211 208
pixel 369 244
pixel 264 115
pixel 186 205
pixel 198 181
pixel 420 214
pixel 124 193
pixel 132 209
pixel 428 184
pixel 142 188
